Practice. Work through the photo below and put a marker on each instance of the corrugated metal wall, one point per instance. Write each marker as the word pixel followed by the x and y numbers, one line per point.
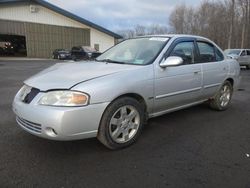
pixel 42 39
pixel 12 28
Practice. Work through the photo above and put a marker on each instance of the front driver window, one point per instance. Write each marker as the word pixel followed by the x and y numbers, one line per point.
pixel 185 50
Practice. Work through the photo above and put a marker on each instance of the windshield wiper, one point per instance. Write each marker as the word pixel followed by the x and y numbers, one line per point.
pixel 110 61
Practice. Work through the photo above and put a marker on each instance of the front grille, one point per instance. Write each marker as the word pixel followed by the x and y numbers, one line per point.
pixel 34 127
pixel 31 95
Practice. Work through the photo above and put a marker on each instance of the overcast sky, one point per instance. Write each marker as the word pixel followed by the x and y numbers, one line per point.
pixel 123 14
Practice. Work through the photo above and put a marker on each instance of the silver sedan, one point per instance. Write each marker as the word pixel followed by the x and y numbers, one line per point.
pixel 241 55
pixel 112 97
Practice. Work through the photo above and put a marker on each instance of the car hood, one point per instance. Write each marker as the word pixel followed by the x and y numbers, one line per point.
pixel 233 56
pixel 67 75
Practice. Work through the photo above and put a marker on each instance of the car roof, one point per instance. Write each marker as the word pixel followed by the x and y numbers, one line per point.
pixel 237 49
pixel 175 36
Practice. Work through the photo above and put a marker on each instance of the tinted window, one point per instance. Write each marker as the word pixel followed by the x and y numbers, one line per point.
pixel 185 50
pixel 248 52
pixel 243 53
pixel 219 55
pixel 207 53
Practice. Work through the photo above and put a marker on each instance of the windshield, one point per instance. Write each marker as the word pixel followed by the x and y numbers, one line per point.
pixel 232 52
pixel 138 51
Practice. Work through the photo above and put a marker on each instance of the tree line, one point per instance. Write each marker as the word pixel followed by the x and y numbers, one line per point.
pixel 140 30
pixel 226 22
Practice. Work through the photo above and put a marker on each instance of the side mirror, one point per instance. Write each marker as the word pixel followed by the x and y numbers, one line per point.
pixel 171 61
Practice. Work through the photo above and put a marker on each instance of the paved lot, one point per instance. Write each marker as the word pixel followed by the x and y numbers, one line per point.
pixel 196 147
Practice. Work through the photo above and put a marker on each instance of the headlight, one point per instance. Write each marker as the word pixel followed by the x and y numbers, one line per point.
pixel 64 98
pixel 24 91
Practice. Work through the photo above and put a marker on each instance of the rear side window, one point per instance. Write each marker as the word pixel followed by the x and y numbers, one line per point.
pixel 248 52
pixel 219 55
pixel 207 52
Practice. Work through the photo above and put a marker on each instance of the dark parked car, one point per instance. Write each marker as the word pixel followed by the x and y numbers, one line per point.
pixel 84 53
pixel 6 48
pixel 61 54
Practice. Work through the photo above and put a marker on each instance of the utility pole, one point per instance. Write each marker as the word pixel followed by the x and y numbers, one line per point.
pixel 231 31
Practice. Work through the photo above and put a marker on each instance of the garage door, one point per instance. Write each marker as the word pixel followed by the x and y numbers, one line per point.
pixel 42 39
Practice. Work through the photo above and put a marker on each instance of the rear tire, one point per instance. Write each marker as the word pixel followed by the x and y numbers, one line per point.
pixel 121 124
pixel 223 97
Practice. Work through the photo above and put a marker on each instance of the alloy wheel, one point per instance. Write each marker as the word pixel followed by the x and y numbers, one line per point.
pixel 225 95
pixel 124 124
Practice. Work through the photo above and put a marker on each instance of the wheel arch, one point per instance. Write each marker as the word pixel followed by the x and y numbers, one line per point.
pixel 135 96
pixel 231 80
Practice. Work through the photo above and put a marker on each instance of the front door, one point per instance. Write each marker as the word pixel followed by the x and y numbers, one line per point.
pixel 179 85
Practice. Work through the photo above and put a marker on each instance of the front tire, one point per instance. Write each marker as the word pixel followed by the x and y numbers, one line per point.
pixel 121 124
pixel 223 97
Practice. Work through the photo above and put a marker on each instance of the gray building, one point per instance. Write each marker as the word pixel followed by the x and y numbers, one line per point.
pixel 38 27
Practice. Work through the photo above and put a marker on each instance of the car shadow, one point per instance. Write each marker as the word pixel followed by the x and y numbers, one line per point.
pixel 161 126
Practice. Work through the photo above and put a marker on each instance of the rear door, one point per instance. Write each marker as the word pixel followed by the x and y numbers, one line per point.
pixel 214 67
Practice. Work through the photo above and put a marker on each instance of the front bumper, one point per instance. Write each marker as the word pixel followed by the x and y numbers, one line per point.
pixel 58 123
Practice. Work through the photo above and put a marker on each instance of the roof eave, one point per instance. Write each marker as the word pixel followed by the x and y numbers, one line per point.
pixel 67 14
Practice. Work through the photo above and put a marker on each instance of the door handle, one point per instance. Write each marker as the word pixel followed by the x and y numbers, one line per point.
pixel 196 72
